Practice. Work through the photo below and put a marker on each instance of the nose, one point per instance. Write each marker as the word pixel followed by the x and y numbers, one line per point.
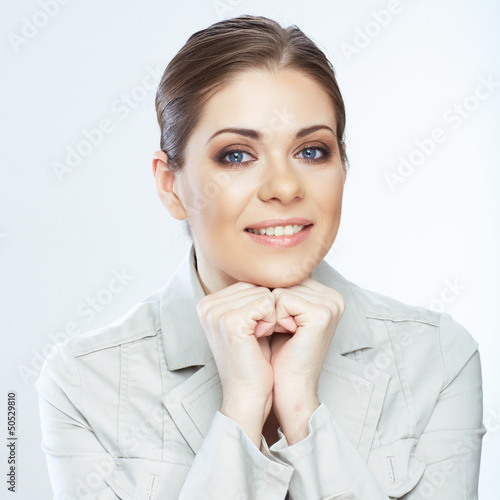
pixel 282 180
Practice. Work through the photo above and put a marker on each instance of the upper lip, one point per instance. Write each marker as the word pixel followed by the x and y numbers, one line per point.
pixel 300 221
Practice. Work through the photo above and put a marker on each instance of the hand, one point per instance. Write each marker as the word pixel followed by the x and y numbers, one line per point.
pixel 229 319
pixel 310 311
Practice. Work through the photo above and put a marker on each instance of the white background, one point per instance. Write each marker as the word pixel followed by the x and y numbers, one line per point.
pixel 432 241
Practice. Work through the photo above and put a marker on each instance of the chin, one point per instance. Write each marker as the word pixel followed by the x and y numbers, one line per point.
pixel 275 282
pixel 275 273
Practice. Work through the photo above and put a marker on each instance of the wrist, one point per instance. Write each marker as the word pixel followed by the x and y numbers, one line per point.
pixel 244 409
pixel 294 413
pixel 249 414
pixel 295 396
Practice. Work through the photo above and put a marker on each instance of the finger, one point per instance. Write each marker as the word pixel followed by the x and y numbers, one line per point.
pixel 264 328
pixel 306 293
pixel 267 328
pixel 237 296
pixel 292 307
pixel 279 329
pixel 311 284
pixel 288 324
pixel 233 301
pixel 259 310
pixel 231 290
pixel 320 298
pixel 265 324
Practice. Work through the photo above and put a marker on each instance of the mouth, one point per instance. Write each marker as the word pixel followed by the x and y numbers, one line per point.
pixel 279 231
pixel 297 234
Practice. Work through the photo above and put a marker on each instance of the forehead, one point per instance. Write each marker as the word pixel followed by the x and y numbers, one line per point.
pixel 279 102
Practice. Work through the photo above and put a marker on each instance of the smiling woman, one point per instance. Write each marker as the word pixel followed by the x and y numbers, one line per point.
pixel 259 371
pixel 293 174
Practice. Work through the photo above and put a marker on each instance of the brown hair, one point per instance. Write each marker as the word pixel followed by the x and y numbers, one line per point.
pixel 212 56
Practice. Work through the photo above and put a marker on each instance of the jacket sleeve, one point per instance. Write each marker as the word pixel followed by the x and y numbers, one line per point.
pixel 228 465
pixel 451 442
pixel 328 467
pixel 76 460
pixel 326 464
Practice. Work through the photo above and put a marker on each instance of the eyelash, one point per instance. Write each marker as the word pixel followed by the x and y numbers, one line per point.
pixel 220 158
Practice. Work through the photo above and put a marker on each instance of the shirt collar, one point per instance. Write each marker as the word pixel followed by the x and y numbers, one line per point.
pixel 183 336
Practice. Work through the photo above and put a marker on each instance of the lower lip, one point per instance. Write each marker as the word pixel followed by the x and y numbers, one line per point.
pixel 281 241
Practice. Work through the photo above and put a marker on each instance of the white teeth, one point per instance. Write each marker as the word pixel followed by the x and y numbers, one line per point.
pixel 278 230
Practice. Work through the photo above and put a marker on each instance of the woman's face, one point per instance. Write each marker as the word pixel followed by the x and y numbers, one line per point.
pixel 282 162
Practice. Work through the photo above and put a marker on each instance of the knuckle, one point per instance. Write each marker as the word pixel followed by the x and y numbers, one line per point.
pixel 338 302
pixel 230 322
pixel 342 307
pixel 265 302
pixel 324 314
pixel 200 308
pixel 339 307
pixel 203 305
pixel 211 315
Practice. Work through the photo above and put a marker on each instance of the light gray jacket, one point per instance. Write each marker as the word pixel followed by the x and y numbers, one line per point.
pixel 130 411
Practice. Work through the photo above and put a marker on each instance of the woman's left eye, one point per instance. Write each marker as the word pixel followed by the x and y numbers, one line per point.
pixel 313 153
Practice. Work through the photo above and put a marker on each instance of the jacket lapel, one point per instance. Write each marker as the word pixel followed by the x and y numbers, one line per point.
pixel 192 404
pixel 353 398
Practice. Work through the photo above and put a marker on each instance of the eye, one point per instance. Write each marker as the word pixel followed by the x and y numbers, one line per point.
pixel 315 153
pixel 235 157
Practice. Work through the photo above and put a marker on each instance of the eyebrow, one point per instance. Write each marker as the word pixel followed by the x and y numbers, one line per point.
pixel 255 134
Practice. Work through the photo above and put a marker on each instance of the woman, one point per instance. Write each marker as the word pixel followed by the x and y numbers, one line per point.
pixel 258 371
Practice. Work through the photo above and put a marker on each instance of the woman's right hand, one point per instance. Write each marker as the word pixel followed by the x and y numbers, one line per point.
pixel 237 322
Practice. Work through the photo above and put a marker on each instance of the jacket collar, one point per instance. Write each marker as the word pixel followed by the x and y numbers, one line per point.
pixel 184 339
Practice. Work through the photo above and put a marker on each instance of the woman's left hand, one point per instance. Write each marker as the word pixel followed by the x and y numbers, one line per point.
pixel 311 312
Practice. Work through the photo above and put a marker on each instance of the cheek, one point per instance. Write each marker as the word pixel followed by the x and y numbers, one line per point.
pixel 329 192
pixel 221 206
pixel 232 199
pixel 206 197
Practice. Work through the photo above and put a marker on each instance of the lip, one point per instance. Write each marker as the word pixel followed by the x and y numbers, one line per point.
pixel 281 241
pixel 300 221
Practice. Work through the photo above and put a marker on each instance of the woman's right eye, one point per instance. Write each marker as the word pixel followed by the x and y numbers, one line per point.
pixel 235 157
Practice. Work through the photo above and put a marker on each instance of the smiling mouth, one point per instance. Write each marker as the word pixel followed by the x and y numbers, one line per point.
pixel 278 231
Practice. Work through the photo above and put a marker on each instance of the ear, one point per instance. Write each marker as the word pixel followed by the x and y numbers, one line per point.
pixel 166 186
